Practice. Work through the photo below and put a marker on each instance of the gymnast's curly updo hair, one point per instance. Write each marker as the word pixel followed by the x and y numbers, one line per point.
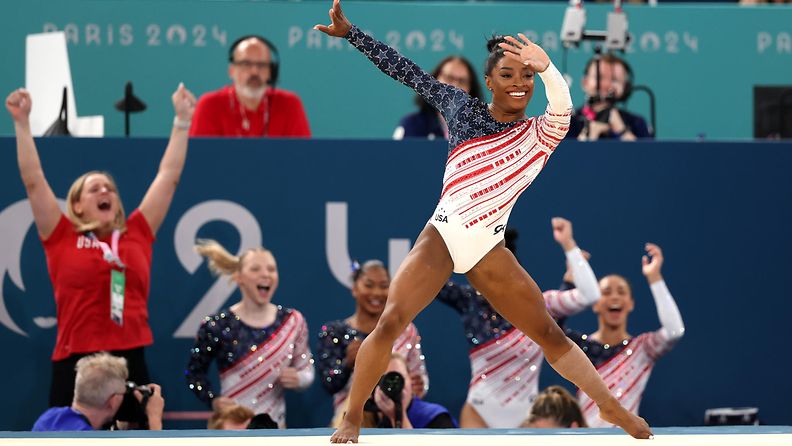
pixel 495 52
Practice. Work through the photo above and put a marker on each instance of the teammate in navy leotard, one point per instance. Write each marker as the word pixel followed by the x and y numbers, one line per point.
pixel 504 363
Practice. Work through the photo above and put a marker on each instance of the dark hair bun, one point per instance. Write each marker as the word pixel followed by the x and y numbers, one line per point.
pixel 493 41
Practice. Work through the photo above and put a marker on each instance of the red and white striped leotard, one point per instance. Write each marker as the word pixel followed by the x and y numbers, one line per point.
pixel 254 380
pixel 483 179
pixel 408 344
pixel 490 162
pixel 504 362
pixel 626 374
pixel 626 367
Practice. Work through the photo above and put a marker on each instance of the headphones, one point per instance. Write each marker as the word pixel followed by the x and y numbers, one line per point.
pixel 274 56
pixel 613 59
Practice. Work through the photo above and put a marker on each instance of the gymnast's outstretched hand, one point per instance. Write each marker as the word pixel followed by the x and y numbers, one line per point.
pixel 339 26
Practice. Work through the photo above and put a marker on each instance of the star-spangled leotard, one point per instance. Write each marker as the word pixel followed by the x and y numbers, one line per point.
pixel 489 162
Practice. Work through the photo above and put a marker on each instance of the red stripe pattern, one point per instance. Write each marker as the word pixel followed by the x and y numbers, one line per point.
pixel 505 379
pixel 505 370
pixel 253 381
pixel 408 344
pixel 484 176
pixel 627 374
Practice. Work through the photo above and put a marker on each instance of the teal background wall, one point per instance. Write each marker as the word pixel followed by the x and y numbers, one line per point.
pixel 702 60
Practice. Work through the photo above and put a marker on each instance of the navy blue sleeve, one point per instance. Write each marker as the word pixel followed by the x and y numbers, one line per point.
pixel 330 353
pixel 577 337
pixel 207 347
pixel 456 296
pixel 445 98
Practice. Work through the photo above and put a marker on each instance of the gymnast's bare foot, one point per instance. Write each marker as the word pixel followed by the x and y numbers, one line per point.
pixel 614 413
pixel 347 432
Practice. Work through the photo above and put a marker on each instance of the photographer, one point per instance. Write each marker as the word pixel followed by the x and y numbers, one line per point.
pixel 600 118
pixel 99 391
pixel 394 395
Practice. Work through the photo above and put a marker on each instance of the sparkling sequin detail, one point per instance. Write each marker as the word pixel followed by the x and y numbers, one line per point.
pixel 331 351
pixel 597 352
pixel 250 359
pixel 625 367
pixel 505 364
pixel 483 324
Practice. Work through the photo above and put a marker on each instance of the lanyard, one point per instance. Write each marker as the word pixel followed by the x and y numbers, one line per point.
pixel 110 253
pixel 234 101
pixel 117 276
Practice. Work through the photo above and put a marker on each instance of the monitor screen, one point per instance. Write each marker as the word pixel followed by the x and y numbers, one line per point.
pixel 773 111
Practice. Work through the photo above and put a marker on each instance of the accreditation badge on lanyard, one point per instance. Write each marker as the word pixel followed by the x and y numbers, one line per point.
pixel 117 276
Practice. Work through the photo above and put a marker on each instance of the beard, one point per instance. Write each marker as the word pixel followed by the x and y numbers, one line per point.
pixel 251 92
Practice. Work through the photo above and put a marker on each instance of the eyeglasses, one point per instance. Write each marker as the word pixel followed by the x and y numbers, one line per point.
pixel 248 64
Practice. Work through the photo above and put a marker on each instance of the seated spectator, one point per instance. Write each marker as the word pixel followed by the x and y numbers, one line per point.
pixel 427 122
pixel 416 413
pixel 99 390
pixel 600 118
pixel 230 417
pixel 555 407
pixel 251 106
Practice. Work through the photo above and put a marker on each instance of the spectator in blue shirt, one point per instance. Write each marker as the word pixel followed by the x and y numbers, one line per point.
pixel 99 390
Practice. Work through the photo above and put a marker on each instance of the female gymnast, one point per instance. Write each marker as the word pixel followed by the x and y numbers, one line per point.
pixel 260 348
pixel 504 363
pixel 340 340
pixel 625 362
pixel 496 152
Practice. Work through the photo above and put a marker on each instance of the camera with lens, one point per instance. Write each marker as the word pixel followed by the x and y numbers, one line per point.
pixel 392 385
pixel 132 411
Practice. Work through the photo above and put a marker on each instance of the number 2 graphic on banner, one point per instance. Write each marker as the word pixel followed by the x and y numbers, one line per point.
pixel 184 240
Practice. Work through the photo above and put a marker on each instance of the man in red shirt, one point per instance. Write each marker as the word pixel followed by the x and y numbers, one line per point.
pixel 252 106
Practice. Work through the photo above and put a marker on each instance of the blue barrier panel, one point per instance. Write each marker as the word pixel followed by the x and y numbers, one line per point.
pixel 701 60
pixel 720 211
